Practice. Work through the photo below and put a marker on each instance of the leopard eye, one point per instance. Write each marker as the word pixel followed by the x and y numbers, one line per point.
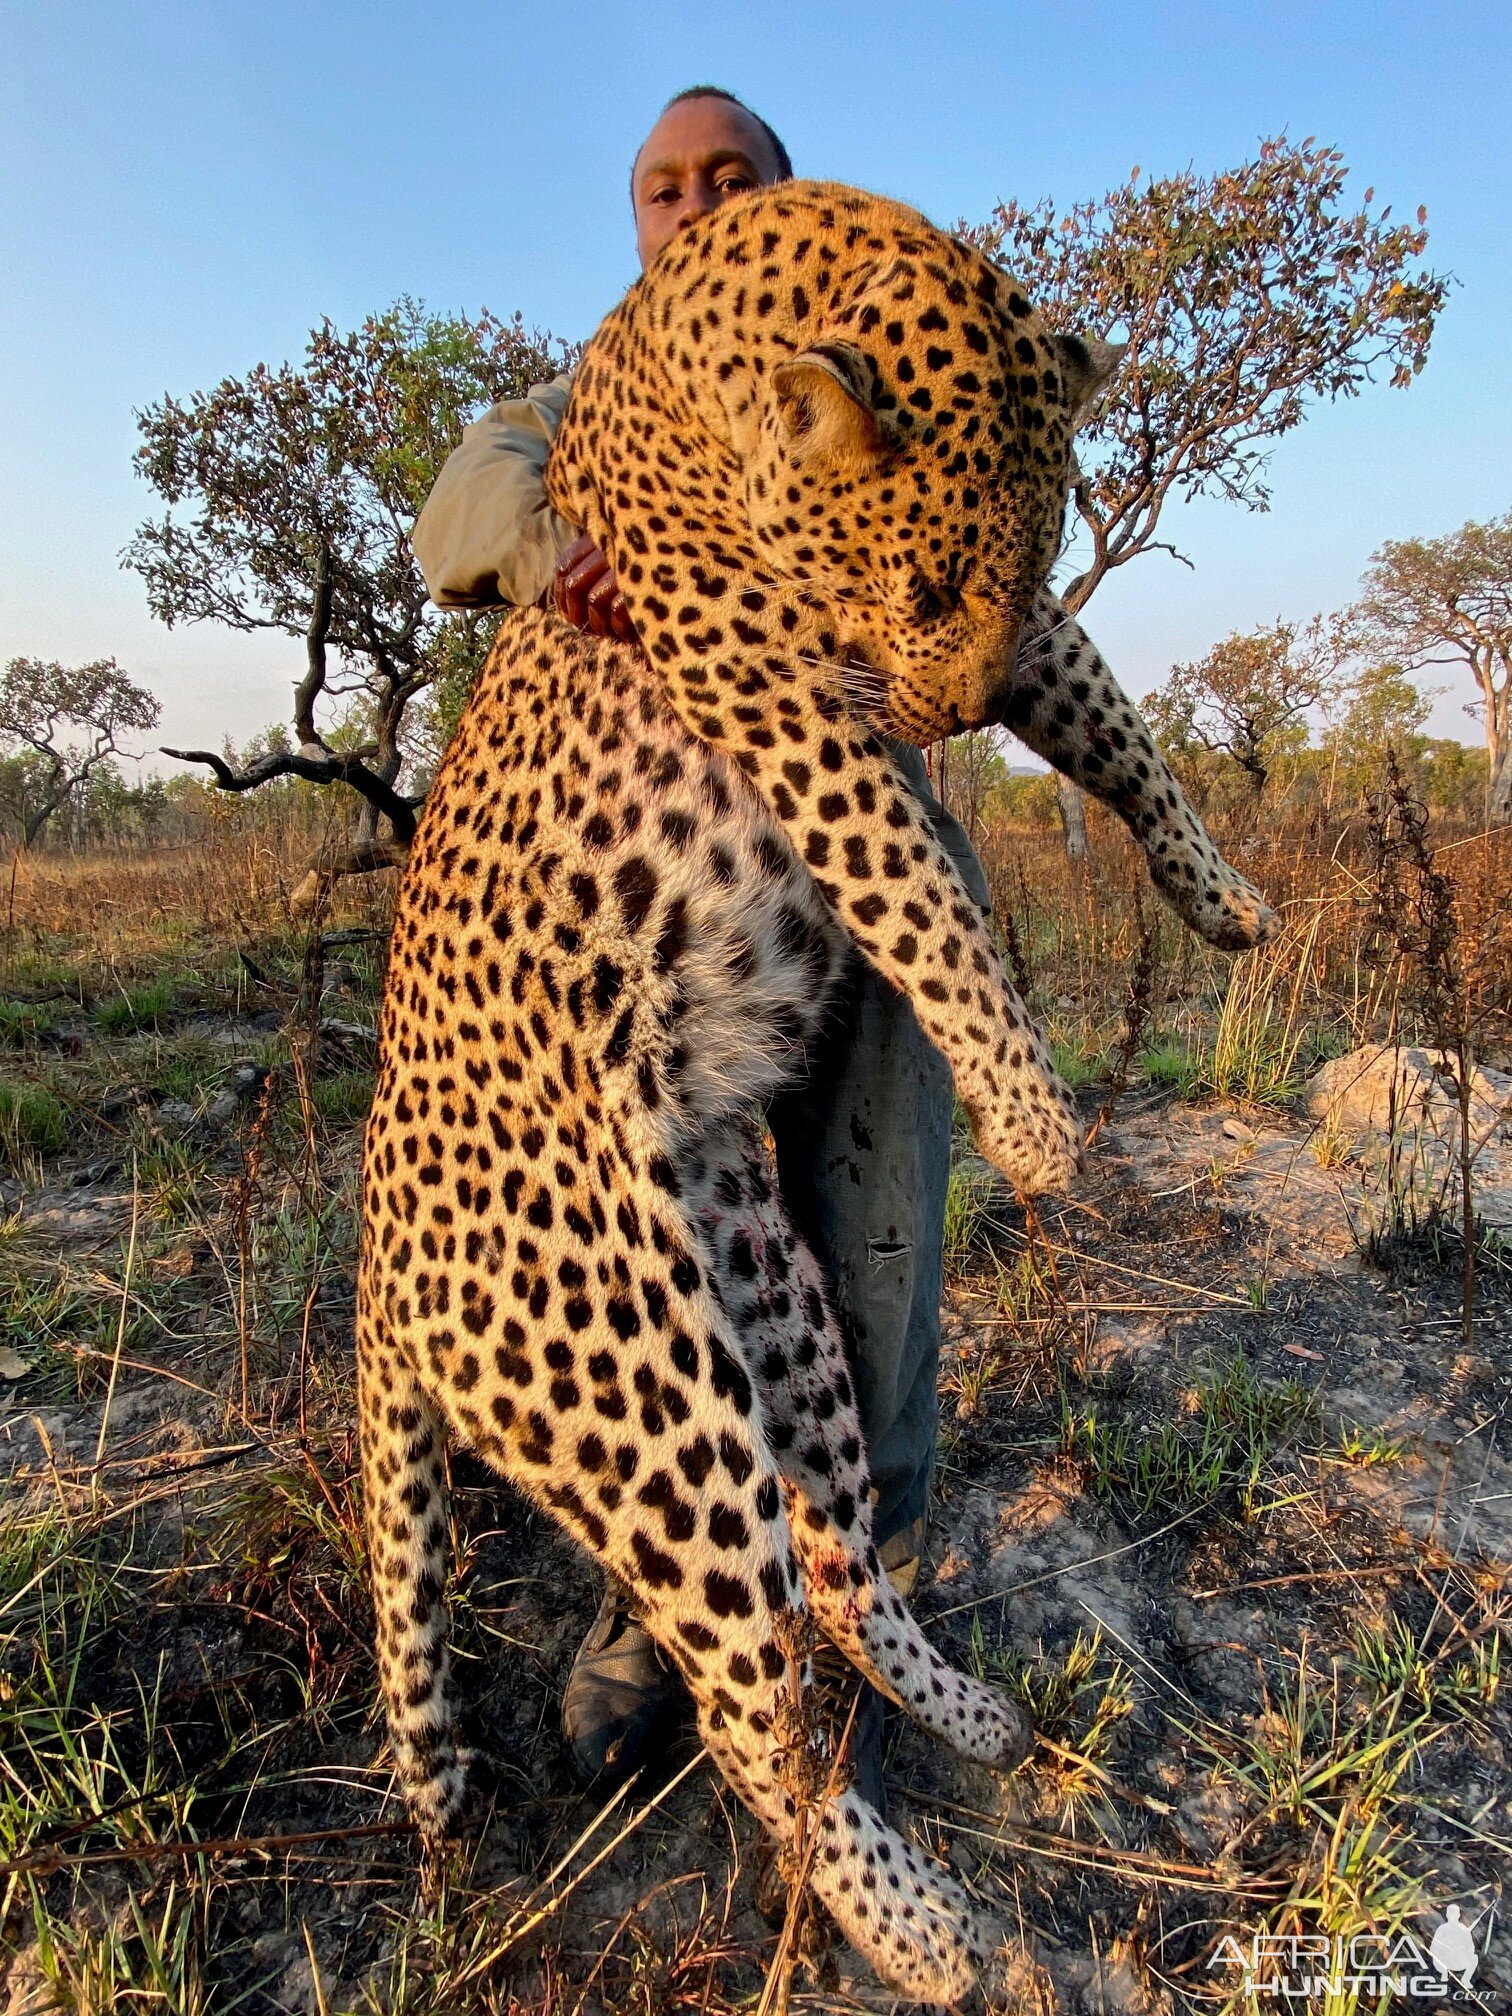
pixel 929 602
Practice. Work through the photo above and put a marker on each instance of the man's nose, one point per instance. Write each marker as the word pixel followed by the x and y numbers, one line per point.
pixel 700 200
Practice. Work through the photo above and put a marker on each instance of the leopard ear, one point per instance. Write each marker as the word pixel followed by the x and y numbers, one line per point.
pixel 823 407
pixel 1087 366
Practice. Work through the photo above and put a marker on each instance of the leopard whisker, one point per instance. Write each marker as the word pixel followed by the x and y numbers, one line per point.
pixel 858 685
pixel 861 689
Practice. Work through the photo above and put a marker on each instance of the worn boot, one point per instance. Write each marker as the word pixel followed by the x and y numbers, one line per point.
pixel 901 1555
pixel 619 1695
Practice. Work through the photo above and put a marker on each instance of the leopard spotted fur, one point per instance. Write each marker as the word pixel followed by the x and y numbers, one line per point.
pixel 826 447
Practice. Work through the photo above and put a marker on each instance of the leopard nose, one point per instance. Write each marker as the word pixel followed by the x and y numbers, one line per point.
pixel 997 675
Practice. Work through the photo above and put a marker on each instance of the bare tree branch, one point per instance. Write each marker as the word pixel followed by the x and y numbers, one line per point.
pixel 310 688
pixel 327 769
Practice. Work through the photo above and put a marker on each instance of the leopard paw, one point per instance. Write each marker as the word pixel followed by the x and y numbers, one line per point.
pixel 1015 1734
pixel 1240 918
pixel 1222 907
pixel 1033 1135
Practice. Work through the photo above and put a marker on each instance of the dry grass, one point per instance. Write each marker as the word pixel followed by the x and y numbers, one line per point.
pixel 92 923
pixel 1079 931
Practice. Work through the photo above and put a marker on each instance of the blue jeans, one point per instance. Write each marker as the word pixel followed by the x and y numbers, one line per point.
pixel 863 1158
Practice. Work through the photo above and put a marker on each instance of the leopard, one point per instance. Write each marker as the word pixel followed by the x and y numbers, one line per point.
pixel 825 446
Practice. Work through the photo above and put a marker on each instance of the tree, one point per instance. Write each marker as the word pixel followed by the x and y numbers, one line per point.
pixel 20 788
pixel 1449 601
pixel 1243 297
pixel 1384 710
pixel 291 495
pixel 1249 698
pixel 1453 777
pixel 972 770
pixel 66 721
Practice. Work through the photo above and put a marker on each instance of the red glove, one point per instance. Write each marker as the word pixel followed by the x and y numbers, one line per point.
pixel 588 595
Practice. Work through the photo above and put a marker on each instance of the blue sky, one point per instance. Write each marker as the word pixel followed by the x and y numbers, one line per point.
pixel 186 188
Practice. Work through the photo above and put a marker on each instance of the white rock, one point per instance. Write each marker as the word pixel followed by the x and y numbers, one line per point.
pixel 1409 1094
pixel 1388 1084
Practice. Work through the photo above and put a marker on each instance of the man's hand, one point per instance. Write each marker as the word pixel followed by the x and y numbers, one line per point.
pixel 587 593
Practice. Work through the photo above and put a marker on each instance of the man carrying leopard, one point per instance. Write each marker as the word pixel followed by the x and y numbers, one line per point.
pixel 863 1141
pixel 826 447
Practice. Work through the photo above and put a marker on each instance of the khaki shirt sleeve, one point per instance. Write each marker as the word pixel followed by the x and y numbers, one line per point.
pixel 487 536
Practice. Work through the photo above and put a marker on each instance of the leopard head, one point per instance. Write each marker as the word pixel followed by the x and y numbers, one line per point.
pixel 911 467
pixel 817 392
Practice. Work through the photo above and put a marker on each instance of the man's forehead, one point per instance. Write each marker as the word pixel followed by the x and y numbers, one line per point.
pixel 696 128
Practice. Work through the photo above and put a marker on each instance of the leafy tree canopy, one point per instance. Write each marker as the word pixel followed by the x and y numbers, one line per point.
pixel 1249 698
pixel 69 720
pixel 1383 710
pixel 291 493
pixel 1242 296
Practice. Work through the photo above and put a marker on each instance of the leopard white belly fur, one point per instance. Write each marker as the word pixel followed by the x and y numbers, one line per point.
pixel 678 897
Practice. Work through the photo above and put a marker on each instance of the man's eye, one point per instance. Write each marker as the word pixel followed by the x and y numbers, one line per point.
pixel 736 185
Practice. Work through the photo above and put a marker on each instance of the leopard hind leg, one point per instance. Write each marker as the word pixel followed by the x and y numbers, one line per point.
pixel 658 1459
pixel 777 1300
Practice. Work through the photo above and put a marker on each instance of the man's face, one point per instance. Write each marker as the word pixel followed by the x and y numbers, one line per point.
pixel 698 153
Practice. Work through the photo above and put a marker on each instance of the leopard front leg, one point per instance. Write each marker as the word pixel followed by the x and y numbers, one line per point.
pixel 737 670
pixel 878 863
pixel 774 1292
pixel 1065 705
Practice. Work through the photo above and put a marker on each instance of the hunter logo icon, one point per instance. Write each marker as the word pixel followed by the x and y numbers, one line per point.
pixel 1452 1948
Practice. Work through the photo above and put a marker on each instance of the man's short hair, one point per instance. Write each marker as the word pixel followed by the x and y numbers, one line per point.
pixel 779 151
